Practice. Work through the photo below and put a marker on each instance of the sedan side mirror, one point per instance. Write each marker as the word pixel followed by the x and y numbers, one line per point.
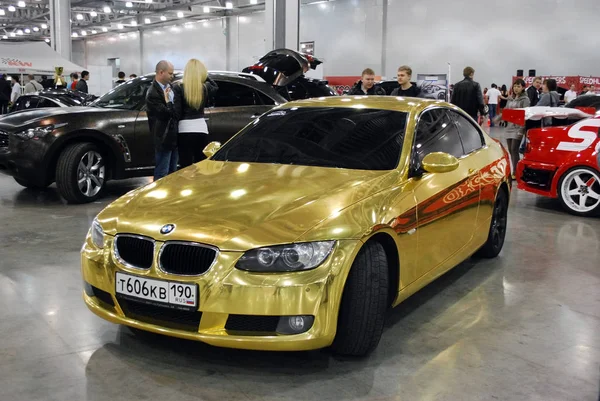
pixel 439 162
pixel 211 149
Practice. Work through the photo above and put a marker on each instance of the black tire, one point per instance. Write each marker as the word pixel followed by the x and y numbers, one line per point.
pixel 568 202
pixel 27 184
pixel 68 173
pixel 364 303
pixel 497 233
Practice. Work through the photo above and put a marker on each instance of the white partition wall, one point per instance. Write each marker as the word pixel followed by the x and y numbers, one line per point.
pixel 124 47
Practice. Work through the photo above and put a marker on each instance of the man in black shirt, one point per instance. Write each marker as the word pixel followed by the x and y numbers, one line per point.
pixel 533 92
pixel 82 85
pixel 467 94
pixel 366 85
pixel 406 88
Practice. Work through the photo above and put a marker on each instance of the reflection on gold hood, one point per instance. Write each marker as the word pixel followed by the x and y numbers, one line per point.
pixel 240 206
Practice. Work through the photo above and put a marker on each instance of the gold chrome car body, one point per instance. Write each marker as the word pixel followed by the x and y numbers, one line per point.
pixel 427 224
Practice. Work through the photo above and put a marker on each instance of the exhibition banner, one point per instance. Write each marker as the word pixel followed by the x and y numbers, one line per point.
pixel 433 86
pixel 565 82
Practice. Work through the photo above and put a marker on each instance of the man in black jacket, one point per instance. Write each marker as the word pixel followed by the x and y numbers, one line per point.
pixel 366 85
pixel 4 94
pixel 82 85
pixel 467 94
pixel 406 88
pixel 161 120
pixel 533 92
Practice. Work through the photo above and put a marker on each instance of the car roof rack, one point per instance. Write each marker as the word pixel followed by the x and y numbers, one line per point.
pixel 238 74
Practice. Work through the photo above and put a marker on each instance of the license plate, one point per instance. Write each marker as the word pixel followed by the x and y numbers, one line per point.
pixel 163 293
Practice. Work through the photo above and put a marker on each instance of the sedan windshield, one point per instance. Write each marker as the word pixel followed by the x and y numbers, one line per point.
pixel 350 138
pixel 128 96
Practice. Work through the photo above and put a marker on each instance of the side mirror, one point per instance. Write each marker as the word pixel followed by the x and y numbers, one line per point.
pixel 439 162
pixel 211 149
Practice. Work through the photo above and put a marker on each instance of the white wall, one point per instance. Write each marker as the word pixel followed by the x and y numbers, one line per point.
pixel 78 52
pixel 496 38
pixel 347 35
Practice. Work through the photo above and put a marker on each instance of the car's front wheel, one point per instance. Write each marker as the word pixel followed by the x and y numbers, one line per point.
pixel 364 303
pixel 579 191
pixel 80 173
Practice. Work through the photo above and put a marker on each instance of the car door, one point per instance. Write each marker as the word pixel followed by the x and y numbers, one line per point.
pixel 447 203
pixel 233 107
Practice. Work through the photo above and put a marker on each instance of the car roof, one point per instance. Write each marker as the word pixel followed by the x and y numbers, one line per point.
pixel 395 103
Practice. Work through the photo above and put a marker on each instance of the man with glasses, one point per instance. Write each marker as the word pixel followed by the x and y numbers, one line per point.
pixel 163 126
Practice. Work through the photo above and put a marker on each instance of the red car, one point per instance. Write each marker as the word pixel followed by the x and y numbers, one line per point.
pixel 561 161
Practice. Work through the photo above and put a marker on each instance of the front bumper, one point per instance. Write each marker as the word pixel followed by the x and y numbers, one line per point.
pixel 225 291
pixel 23 159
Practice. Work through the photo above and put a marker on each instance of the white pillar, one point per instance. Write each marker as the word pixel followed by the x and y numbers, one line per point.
pixel 60 27
pixel 282 24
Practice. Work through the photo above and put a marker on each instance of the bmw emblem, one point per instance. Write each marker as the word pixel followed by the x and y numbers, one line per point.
pixel 167 229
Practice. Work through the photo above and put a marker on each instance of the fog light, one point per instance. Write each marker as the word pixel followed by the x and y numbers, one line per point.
pixel 294 324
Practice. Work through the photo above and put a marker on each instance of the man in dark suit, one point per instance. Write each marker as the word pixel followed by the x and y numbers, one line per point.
pixel 533 92
pixel 467 94
pixel 163 126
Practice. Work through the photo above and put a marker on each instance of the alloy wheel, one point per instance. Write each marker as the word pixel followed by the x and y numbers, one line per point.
pixel 90 173
pixel 580 190
pixel 499 220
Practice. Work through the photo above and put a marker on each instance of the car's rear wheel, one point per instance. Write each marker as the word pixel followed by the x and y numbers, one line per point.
pixel 364 303
pixel 80 173
pixel 27 184
pixel 497 233
pixel 579 191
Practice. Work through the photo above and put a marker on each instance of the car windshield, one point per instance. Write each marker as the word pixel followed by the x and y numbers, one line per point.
pixel 350 138
pixel 128 96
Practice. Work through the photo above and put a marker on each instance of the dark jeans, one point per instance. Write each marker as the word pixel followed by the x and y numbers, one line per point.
pixel 165 163
pixel 513 150
pixel 191 146
pixel 3 107
pixel 492 113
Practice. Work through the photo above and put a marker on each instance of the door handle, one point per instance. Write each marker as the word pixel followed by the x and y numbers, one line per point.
pixel 471 171
pixel 120 126
pixel 253 116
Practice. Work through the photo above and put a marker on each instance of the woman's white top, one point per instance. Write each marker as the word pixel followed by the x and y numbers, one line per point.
pixel 16 92
pixel 197 125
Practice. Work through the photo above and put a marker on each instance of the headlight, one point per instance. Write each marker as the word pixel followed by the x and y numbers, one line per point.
pixel 38 132
pixel 97 234
pixel 286 258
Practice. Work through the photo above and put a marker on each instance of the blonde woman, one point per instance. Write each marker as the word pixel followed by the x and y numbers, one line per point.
pixel 190 98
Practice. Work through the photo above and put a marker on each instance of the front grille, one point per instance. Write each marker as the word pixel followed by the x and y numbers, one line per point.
pixel 134 251
pixel 541 179
pixel 3 139
pixel 186 258
pixel 103 296
pixel 159 315
pixel 252 323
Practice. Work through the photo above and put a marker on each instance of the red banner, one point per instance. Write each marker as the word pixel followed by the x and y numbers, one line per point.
pixel 565 82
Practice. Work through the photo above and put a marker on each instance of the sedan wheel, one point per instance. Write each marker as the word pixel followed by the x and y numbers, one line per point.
pixel 80 173
pixel 497 233
pixel 579 191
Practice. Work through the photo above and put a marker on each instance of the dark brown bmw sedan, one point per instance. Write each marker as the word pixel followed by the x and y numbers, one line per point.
pixel 81 148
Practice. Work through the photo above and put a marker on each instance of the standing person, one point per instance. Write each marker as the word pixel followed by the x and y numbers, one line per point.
pixel 406 88
pixel 550 97
pixel 514 133
pixel 366 85
pixel 132 76
pixel 33 85
pixel 503 100
pixel 121 79
pixel 533 92
pixel 16 89
pixel 584 90
pixel 161 120
pixel 571 94
pixel 74 80
pixel 467 94
pixel 4 94
pixel 493 95
pixel 82 85
pixel 592 90
pixel 189 101
pixel 47 83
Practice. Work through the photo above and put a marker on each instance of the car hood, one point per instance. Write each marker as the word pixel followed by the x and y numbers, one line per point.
pixel 282 66
pixel 240 206
pixel 51 115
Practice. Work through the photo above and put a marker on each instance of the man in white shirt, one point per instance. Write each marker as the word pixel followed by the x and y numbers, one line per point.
pixel 592 90
pixel 571 94
pixel 16 89
pixel 493 95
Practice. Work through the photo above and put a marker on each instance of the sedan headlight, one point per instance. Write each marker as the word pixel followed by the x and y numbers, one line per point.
pixel 97 234
pixel 286 258
pixel 38 132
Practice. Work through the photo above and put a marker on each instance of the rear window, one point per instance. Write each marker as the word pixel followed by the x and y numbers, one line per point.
pixel 350 138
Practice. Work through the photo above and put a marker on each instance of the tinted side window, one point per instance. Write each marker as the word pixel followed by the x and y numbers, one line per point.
pixel 28 102
pixel 46 103
pixel 231 94
pixel 436 133
pixel 264 99
pixel 128 96
pixel 469 134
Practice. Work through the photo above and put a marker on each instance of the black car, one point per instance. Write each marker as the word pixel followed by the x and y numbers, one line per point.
pixel 52 98
pixel 285 69
pixel 585 101
pixel 81 148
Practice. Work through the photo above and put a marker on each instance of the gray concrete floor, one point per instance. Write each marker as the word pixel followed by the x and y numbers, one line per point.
pixel 525 326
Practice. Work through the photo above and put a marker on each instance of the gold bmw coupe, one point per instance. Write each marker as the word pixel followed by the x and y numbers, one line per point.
pixel 303 229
